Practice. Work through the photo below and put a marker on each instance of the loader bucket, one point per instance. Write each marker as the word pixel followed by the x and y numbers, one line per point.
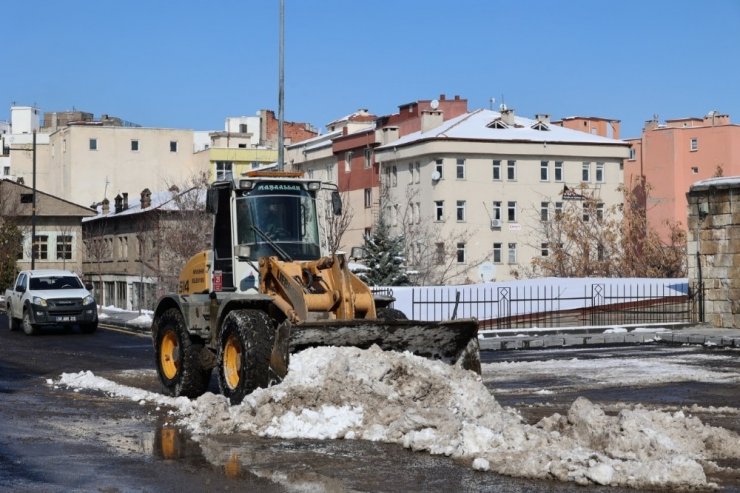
pixel 454 341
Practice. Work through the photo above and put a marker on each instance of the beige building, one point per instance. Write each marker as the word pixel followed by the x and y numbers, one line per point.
pixel 477 190
pixel 58 227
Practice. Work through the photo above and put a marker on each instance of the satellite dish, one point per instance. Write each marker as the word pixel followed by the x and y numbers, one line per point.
pixel 487 271
pixel 434 104
pixel 435 175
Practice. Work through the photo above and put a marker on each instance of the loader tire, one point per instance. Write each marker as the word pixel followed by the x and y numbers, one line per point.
pixel 391 314
pixel 244 347
pixel 29 328
pixel 178 358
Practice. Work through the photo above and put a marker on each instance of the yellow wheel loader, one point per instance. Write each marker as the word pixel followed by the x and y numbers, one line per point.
pixel 264 291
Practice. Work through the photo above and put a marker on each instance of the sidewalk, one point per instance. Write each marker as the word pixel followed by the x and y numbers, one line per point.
pixel 537 338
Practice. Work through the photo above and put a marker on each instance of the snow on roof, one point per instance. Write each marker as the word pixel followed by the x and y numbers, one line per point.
pixel 159 200
pixel 475 126
pixel 317 142
pixel 721 182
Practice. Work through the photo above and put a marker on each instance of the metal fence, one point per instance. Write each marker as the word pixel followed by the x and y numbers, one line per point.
pixel 546 306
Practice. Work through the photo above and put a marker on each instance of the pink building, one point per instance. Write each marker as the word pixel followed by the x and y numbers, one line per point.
pixel 671 156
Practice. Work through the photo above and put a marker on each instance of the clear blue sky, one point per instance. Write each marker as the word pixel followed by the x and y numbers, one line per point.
pixel 190 64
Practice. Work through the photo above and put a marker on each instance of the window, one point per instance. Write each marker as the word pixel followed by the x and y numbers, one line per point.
pixel 512 253
pixel 93 144
pixel 497 210
pixel 497 170
pixel 497 247
pixel 40 249
pixel 242 128
pixel 411 172
pixel 309 173
pixel 511 170
pixel 439 168
pixel 439 210
pixel 544 211
pixel 587 212
pixel 224 170
pixel 586 172
pixel 461 253
pixel 368 198
pixel 394 217
pixel 348 161
pixel 558 171
pixel 600 172
pixel 417 210
pixel 417 172
pixel 461 169
pixel 511 212
pixel 394 176
pixel 439 253
pixel 241 146
pixel 6 170
pixel 26 198
pixel 544 168
pixel 633 154
pixel 694 144
pixel 134 145
pixel 545 249
pixel 173 146
pixel 695 170
pixel 123 247
pixel 558 210
pixel 64 247
pixel 368 157
pixel 600 211
pixel 460 210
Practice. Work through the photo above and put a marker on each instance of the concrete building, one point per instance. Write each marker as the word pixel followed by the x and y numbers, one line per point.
pixel 670 156
pixel 58 227
pixel 486 181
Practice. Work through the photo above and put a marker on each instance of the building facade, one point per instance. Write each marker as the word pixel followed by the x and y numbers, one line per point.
pixel 670 156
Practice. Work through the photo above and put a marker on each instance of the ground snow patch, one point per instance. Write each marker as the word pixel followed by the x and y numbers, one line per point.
pixel 429 406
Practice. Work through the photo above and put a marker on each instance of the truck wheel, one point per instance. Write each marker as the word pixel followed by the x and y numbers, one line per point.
pixel 178 358
pixel 244 348
pixel 29 328
pixel 89 328
pixel 13 324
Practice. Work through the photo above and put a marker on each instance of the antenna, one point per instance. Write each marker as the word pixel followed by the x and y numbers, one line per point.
pixel 281 89
pixel 502 107
pixel 492 101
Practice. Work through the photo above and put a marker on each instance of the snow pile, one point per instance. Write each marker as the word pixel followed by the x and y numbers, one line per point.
pixel 429 406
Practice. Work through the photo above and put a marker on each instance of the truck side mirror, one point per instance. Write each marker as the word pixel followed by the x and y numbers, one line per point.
pixel 21 289
pixel 336 203
pixel 89 286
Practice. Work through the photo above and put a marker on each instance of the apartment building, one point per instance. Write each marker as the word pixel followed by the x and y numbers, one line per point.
pixel 485 182
pixel 672 155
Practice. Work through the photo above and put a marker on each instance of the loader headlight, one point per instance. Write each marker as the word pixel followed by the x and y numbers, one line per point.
pixel 88 300
pixel 314 185
pixel 246 184
pixel 39 301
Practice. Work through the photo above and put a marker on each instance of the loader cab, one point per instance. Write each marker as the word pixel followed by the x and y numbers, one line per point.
pixel 274 218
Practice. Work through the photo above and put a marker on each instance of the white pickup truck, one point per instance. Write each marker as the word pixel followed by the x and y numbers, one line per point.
pixel 49 297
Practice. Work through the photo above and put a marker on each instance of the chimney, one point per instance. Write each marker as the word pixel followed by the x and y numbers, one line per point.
pixel 125 200
pixel 386 135
pixel 542 117
pixel 507 115
pixel 431 119
pixel 106 206
pixel 146 198
pixel 119 203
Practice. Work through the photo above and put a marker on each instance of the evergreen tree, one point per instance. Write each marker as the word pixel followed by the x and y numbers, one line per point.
pixel 384 257
pixel 10 248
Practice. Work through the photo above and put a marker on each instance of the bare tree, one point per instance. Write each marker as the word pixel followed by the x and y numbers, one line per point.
pixel 584 239
pixel 98 249
pixel 337 225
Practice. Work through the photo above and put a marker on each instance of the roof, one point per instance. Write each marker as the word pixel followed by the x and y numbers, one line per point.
pixel 164 201
pixel 55 205
pixel 475 126
pixel 723 182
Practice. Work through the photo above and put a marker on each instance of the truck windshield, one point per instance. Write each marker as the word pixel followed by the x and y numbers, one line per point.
pixel 58 282
pixel 286 214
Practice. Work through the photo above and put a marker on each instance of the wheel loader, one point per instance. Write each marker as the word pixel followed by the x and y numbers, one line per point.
pixel 264 290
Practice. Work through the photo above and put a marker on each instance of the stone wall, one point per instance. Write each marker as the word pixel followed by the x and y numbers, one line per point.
pixel 714 232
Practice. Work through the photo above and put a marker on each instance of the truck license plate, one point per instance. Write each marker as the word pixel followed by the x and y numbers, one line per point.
pixel 66 319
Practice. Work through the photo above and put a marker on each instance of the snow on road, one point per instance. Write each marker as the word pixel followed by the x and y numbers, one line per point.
pixel 349 393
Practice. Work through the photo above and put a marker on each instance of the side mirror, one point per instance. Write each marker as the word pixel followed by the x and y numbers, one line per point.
pixel 242 251
pixel 21 289
pixel 357 253
pixel 336 203
pixel 89 286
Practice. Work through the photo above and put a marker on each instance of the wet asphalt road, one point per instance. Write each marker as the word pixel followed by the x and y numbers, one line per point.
pixel 55 440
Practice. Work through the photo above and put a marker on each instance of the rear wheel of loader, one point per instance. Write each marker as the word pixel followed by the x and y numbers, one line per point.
pixel 178 358
pixel 244 348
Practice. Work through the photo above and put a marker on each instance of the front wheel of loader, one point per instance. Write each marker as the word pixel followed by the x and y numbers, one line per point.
pixel 244 348
pixel 387 313
pixel 178 358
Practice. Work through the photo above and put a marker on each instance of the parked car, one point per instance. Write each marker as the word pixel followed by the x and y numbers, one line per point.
pixel 48 297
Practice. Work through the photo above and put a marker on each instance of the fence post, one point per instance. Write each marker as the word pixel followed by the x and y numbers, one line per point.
pixel 504 306
pixel 597 299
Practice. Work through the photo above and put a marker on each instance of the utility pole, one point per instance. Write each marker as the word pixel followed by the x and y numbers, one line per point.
pixel 281 88
pixel 34 246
